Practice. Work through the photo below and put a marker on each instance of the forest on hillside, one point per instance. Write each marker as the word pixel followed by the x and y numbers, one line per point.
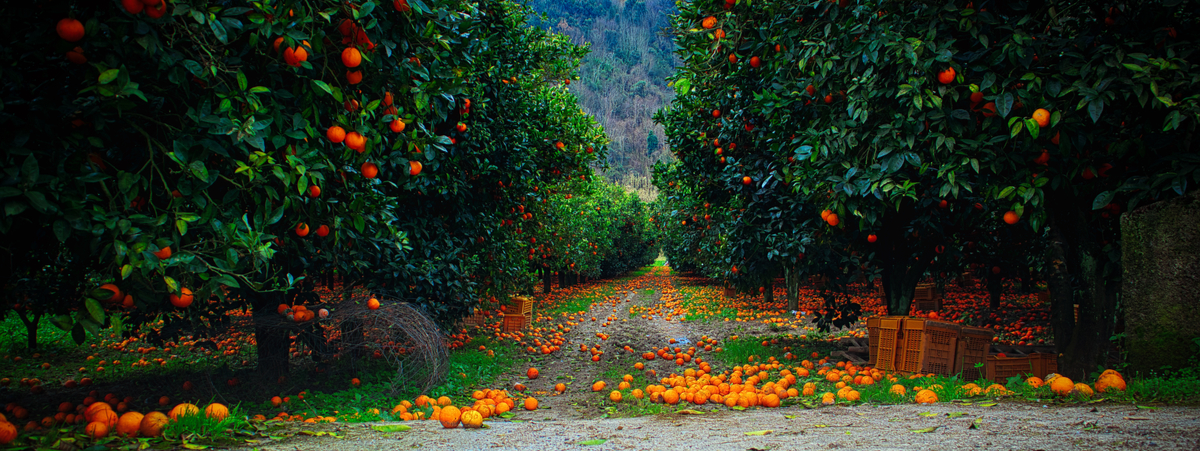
pixel 623 80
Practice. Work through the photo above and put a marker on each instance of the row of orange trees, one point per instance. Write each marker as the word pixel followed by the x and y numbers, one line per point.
pixel 202 155
pixel 905 140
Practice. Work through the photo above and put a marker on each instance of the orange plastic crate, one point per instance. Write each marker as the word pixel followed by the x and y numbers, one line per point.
pixel 927 346
pixel 515 322
pixel 973 348
pixel 884 336
pixel 1044 364
pixel 999 369
pixel 522 304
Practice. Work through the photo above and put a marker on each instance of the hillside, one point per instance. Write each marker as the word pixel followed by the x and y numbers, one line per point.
pixel 622 81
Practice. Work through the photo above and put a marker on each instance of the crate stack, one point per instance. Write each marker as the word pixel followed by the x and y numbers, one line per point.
pixel 475 320
pixel 1001 367
pixel 921 345
pixel 520 316
pixel 927 298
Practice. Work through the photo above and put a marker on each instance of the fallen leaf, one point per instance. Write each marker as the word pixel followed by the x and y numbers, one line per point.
pixel 955 414
pixel 820 426
pixel 738 408
pixel 689 412
pixel 391 428
pixel 1138 418
pixel 790 417
pixel 599 441
pixel 927 414
pixel 1147 407
pixel 926 430
pixel 192 446
pixel 987 404
pixel 768 431
pixel 507 415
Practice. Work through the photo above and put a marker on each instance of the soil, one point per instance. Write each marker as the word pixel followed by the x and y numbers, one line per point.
pixel 566 420
pixel 1002 427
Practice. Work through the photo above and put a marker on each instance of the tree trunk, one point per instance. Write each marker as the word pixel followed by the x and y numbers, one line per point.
pixel 1076 276
pixel 900 271
pixel 546 281
pixel 31 328
pixel 272 341
pixel 791 278
pixel 995 286
pixel 562 280
pixel 769 293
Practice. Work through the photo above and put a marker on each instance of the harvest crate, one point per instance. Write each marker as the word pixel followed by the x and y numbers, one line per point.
pixel 729 292
pixel 928 305
pixel 927 346
pixel 522 304
pixel 475 320
pixel 1044 364
pixel 516 322
pixel 999 369
pixel 884 337
pixel 973 348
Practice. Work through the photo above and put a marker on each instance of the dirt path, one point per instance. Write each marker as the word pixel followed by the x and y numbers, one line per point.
pixel 1007 426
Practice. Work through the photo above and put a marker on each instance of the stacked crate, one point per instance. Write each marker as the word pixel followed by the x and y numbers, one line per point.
pixel 927 298
pixel 920 345
pixel 520 315
pixel 927 346
pixel 973 350
pixel 884 339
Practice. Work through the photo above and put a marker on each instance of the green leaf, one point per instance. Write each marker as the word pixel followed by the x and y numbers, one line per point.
pixel 391 428
pixel 598 441
pixel 955 414
pixel 95 311
pixel 683 86
pixel 30 171
pixel 926 430
pixel 1095 108
pixel 172 285
pixel 1102 200
pixel 927 414
pixel 986 404
pixel 1033 127
pixel 763 432
pixel 62 230
pixel 62 322
pixel 241 79
pixel 77 333
pixel 324 86
pixel 187 445
pixel 689 412
pixel 108 76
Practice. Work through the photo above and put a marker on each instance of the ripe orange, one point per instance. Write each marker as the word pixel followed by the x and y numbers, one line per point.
pixel 336 134
pixel 989 109
pixel 216 411
pixel 450 417
pixel 183 299
pixel 75 56
pixel 373 304
pixel 163 253
pixel 926 397
pixel 560 387
pixel 532 373
pixel 598 385
pixel 8 432
pixel 615 396
pixel 351 57
pixel 302 229
pixel 370 170
pixel 755 62
pixel 946 77
pixel 833 220
pixel 1042 117
pixel 356 141
pixel 129 424
pixel 531 403
pixel 314 191
pixel 323 231
pixel 96 429
pixel 354 77
pixel 116 292
pixel 69 29
pixel 709 22
pixel 1062 385
pixel 976 97
pixel 872 238
pixel 746 180
pixel 1010 217
pixel 396 125
pixel 184 409
pixel 414 167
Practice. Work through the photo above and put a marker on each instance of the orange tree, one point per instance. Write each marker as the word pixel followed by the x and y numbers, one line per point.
pixel 212 157
pixel 1062 113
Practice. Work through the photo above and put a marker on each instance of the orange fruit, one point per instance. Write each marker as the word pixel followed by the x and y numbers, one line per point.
pixel 1042 117
pixel 8 432
pixel 1010 217
pixel 747 180
pixel 116 292
pixel 833 220
pixel 336 134
pixel 314 191
pixel 216 411
pixel 614 396
pixel 183 299
pixel 183 409
pixel 69 29
pixel 351 57
pixel 397 125
pixel 599 385
pixel 1062 385
pixel 926 397
pixel 322 232
pixel 96 429
pixel 129 424
pixel 373 304
pixel 356 141
pixel 370 170
pixel 531 373
pixel 560 387
pixel 898 389
pixel 354 77
pixel 134 7
pixel 946 77
pixel 472 419
pixel 152 424
pixel 531 403
pixel 414 167
pixel 302 229
pixel 709 22
pixel 450 417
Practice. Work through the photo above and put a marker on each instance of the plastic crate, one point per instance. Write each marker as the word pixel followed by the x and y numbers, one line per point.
pixel 884 336
pixel 999 369
pixel 522 304
pixel 973 348
pixel 1044 364
pixel 928 305
pixel 515 322
pixel 927 346
pixel 729 292
pixel 926 292
pixel 475 320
